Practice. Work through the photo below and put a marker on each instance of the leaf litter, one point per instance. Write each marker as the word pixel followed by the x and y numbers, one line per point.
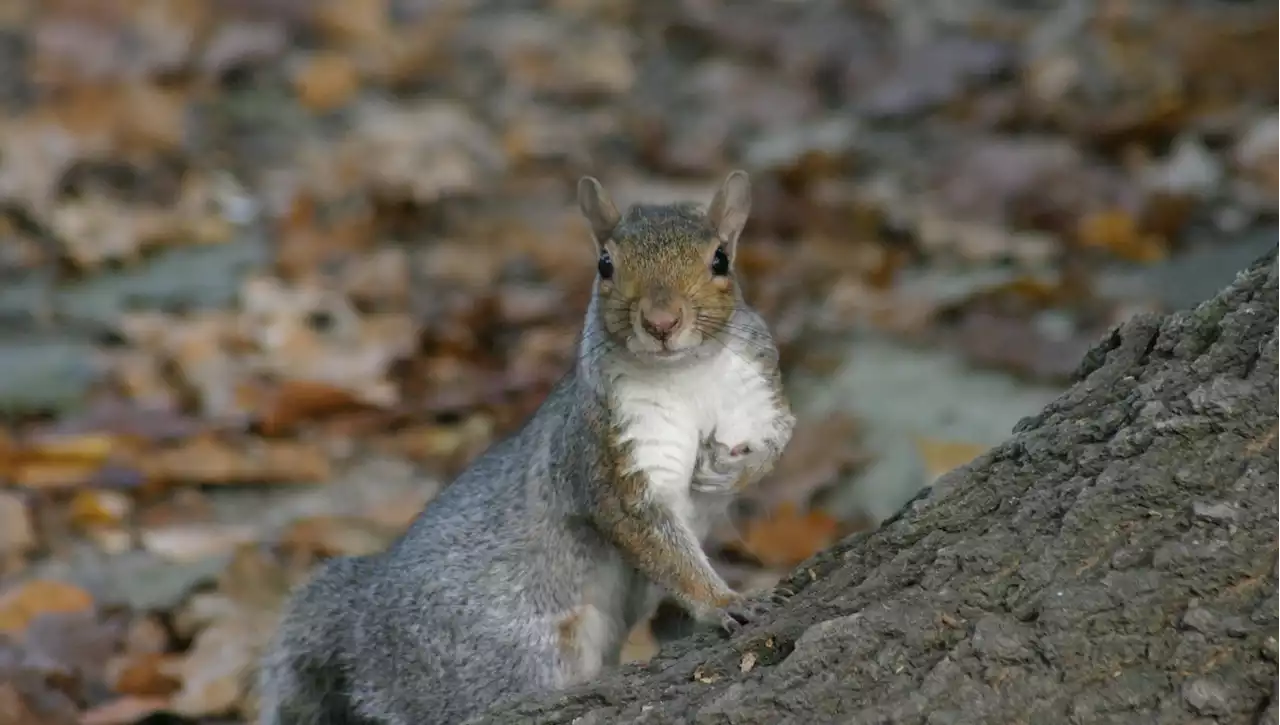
pixel 401 175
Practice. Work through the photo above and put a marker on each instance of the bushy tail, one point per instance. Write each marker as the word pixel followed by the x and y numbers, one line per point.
pixel 301 691
pixel 302 680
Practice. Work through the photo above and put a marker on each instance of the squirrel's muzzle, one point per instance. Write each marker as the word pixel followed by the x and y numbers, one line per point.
pixel 660 316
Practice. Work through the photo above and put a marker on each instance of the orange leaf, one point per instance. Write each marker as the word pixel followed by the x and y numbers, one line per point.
pixel 206 460
pixel 98 508
pixel 147 674
pixel 124 711
pixel 93 448
pixel 326 82
pixel 298 400
pixel 27 601
pixel 54 475
pixel 1119 233
pixel 943 456
pixel 787 537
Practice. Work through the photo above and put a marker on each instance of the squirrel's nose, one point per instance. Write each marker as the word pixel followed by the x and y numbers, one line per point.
pixel 660 323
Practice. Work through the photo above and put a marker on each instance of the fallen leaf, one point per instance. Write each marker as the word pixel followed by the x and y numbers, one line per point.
pixel 24 602
pixel 821 452
pixel 18 705
pixel 297 401
pixel 640 646
pixel 17 533
pixel 327 536
pixel 90 448
pixel 125 710
pixel 941 456
pixel 786 536
pixel 147 635
pixel 54 475
pixel 1118 232
pixel 326 81
pixel 145 675
pixel 363 23
pixel 196 541
pixel 451 444
pixel 215 671
pixel 413 153
pixel 704 675
pixel 94 508
pixel 208 461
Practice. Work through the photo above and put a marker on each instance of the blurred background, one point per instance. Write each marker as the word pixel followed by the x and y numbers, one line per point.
pixel 272 271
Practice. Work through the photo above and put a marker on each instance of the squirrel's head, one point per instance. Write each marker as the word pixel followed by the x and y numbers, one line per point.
pixel 665 281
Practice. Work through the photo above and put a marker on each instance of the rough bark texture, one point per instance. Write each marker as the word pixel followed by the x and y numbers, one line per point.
pixel 1114 562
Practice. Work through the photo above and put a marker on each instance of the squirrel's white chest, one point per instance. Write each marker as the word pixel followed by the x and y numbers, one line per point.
pixel 666 416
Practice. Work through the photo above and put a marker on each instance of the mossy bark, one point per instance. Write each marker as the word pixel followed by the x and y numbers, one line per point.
pixel 1115 561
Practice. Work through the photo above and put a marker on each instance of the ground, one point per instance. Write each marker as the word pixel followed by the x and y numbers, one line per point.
pixel 272 273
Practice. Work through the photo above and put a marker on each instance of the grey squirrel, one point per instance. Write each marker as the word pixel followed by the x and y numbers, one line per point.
pixel 528 571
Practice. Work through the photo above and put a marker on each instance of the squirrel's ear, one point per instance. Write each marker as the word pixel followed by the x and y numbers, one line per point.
pixel 729 209
pixel 596 206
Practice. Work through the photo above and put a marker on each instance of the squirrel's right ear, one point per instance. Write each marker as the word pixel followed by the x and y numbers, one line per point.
pixel 596 206
pixel 729 210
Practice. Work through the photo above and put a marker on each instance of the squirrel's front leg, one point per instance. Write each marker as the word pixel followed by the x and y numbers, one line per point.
pixel 663 547
pixel 645 513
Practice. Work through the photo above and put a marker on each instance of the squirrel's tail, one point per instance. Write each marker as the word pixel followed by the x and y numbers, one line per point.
pixel 302 681
pixel 306 693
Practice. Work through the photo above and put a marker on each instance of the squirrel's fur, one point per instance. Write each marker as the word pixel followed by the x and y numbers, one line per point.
pixel 529 570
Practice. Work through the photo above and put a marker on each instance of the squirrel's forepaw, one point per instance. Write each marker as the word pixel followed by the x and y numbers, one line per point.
pixel 781 594
pixel 744 610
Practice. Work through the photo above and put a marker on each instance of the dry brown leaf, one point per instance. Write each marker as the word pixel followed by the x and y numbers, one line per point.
pixel 233 627
pixel 95 508
pixel 18 707
pixel 22 603
pixel 364 23
pixel 417 153
pixel 327 536
pixel 145 675
pixel 195 541
pixel 640 646
pixel 124 710
pixel 297 401
pixel 306 244
pixel 443 443
pixel 1118 233
pixel 215 671
pixel 821 451
pixel 54 475
pixel 61 461
pixel 92 448
pixel 147 635
pixel 312 332
pixel 942 456
pixel 326 81
pixel 207 460
pixel 786 537
pixel 400 511
pixel 17 532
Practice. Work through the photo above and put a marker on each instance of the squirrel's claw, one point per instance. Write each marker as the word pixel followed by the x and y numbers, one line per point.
pixel 744 611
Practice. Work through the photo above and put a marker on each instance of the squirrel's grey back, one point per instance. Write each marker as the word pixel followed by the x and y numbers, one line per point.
pixel 405 619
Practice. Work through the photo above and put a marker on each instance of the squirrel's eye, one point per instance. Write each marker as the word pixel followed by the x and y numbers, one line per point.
pixel 720 263
pixel 605 265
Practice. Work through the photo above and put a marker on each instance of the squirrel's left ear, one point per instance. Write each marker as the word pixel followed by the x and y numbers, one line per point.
pixel 729 210
pixel 598 208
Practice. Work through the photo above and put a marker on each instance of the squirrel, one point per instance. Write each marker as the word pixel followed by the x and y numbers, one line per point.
pixel 529 570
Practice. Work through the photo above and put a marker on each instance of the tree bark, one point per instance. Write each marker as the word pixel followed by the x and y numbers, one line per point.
pixel 1115 561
